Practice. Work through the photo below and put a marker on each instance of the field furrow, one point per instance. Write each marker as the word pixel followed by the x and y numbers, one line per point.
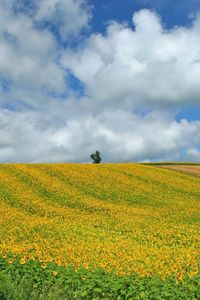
pixel 126 217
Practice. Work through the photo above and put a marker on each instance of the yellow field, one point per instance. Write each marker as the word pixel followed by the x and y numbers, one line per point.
pixel 129 217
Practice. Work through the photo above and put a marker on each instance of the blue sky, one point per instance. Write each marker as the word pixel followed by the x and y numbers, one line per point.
pixel 174 13
pixel 118 76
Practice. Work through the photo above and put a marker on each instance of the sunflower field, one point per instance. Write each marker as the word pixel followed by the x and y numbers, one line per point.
pixel 107 231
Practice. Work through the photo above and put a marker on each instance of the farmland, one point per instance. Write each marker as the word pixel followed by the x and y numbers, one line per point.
pixel 119 219
pixel 188 169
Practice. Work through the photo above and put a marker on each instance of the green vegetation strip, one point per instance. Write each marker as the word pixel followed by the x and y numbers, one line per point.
pixel 30 282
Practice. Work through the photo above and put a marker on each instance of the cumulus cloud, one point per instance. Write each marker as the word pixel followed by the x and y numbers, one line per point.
pixel 29 53
pixel 28 58
pixel 69 16
pixel 146 64
pixel 66 16
pixel 132 78
pixel 120 136
pixel 193 154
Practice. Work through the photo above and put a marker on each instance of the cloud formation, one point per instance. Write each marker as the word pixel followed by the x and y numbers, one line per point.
pixel 68 16
pixel 148 64
pixel 28 59
pixel 119 135
pixel 134 78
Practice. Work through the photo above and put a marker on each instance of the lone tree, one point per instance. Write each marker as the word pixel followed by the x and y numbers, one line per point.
pixel 96 157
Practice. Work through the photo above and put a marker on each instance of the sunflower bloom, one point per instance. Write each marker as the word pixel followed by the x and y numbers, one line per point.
pixel 10 261
pixel 4 255
pixel 55 273
pixel 22 261
pixel 43 265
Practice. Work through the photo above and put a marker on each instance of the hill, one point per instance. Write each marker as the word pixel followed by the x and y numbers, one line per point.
pixel 122 217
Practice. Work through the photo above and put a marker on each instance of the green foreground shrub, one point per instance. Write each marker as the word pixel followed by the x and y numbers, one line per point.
pixel 30 282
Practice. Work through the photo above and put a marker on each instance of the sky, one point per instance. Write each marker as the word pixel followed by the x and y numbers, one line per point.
pixel 121 77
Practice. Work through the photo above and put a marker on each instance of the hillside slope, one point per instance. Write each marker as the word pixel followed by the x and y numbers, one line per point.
pixel 129 217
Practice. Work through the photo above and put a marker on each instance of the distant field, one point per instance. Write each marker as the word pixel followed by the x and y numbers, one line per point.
pixel 190 169
pixel 126 218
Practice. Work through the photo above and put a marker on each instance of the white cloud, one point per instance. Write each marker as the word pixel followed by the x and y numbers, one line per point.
pixel 28 57
pixel 148 65
pixel 119 135
pixel 70 16
pixel 147 69
pixel 193 154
